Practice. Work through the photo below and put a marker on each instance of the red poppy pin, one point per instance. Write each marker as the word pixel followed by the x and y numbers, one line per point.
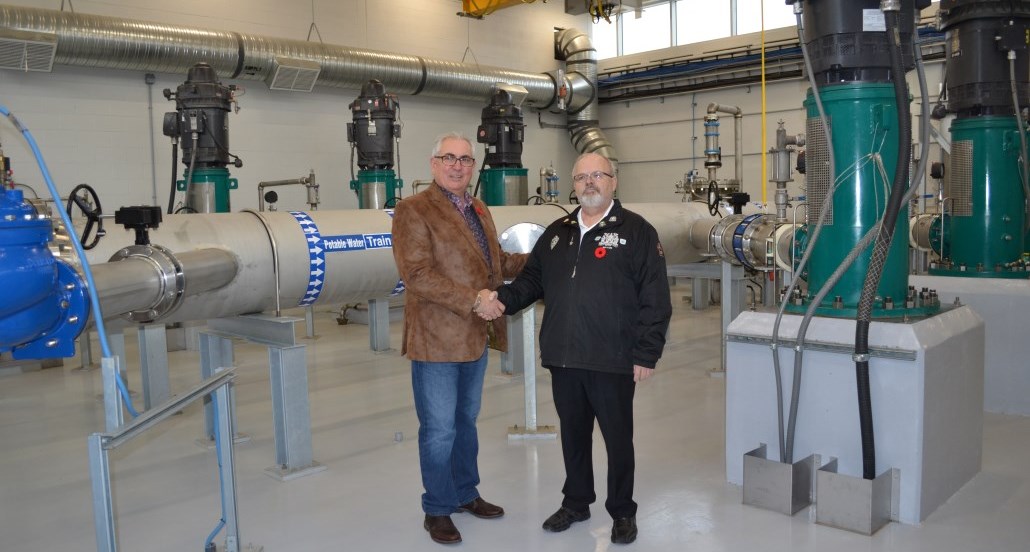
pixel 600 252
pixel 479 210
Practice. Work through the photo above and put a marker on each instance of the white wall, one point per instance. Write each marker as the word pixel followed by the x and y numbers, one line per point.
pixel 660 139
pixel 93 125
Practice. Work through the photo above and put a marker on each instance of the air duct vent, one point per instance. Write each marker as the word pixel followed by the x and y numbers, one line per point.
pixel 293 74
pixel 27 51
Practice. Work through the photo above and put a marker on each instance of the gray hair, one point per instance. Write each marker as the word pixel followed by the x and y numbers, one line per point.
pixel 452 136
pixel 613 168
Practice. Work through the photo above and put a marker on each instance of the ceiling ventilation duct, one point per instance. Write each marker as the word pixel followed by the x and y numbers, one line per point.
pixel 293 74
pixel 27 51
pixel 85 40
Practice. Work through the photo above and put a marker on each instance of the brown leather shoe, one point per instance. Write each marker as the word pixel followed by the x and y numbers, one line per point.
pixel 442 530
pixel 482 509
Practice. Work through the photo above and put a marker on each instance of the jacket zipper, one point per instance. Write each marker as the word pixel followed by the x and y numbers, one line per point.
pixel 572 291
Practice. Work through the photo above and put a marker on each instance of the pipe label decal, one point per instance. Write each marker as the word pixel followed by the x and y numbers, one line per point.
pixel 316 254
pixel 357 242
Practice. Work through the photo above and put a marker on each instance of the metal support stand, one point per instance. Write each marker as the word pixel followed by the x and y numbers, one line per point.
pixel 216 352
pixel 700 294
pixel 525 349
pixel 153 360
pixel 379 324
pixel 110 369
pixel 100 470
pixel 85 349
pixel 731 297
pixel 289 381
pixel 116 341
pixel 515 361
pixel 732 293
pixel 309 321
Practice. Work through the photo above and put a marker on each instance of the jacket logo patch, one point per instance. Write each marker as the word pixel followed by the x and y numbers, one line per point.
pixel 610 239
pixel 554 242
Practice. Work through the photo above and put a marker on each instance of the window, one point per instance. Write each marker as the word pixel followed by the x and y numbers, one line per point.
pixel 697 20
pixel 604 38
pixel 650 31
pixel 777 14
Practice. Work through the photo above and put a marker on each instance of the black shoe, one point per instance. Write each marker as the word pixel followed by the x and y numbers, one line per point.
pixel 441 529
pixel 624 530
pixel 563 518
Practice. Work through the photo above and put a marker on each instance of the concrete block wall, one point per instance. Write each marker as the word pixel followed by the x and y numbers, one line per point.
pixel 93 125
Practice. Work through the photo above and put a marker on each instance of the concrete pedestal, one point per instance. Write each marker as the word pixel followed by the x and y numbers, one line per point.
pixel 926 379
pixel 1003 305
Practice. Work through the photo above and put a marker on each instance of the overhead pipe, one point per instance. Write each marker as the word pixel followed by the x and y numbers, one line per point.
pixel 580 59
pixel 86 40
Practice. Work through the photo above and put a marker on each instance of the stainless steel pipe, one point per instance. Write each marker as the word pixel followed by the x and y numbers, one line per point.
pixel 325 257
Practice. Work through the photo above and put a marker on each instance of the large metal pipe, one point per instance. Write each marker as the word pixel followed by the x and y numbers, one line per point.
pixel 345 255
pixel 581 64
pixel 86 40
pixel 139 283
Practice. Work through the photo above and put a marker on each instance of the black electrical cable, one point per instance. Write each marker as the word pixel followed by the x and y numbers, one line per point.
pixel 882 247
pixel 175 163
pixel 479 180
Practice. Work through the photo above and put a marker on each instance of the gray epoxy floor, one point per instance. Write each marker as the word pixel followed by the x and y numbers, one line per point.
pixel 166 494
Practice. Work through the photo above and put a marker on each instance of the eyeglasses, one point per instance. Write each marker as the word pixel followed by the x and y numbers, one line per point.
pixel 450 159
pixel 595 176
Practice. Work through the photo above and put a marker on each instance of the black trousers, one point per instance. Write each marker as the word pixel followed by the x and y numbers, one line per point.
pixel 580 397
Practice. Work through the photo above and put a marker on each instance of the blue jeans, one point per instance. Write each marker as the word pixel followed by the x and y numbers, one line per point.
pixel 447 400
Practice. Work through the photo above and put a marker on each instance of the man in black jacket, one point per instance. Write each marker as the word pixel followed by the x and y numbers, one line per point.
pixel 601 273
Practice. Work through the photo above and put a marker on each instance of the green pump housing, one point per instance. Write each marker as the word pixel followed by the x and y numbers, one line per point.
pixel 504 186
pixel 376 188
pixel 208 191
pixel 865 152
pixel 985 230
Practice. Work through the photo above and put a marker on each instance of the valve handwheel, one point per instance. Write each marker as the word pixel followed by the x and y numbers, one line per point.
pixel 92 215
pixel 713 199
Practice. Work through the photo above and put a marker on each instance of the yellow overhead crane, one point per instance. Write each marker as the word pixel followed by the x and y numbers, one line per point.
pixel 479 8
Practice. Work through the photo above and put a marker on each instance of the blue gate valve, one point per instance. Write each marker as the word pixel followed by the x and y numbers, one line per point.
pixel 43 301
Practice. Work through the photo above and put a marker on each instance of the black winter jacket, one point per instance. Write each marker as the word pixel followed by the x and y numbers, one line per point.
pixel 607 301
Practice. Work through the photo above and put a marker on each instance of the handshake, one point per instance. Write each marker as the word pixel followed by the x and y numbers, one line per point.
pixel 487 306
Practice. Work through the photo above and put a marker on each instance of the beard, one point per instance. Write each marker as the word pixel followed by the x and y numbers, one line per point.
pixel 592 198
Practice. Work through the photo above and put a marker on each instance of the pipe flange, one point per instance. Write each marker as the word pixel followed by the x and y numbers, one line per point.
pixel 172 281
pixel 722 237
pixel 754 239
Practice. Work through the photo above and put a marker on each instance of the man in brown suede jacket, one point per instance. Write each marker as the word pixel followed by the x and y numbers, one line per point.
pixel 446 248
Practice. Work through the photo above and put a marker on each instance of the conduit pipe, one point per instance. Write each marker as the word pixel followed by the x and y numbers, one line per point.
pixel 86 40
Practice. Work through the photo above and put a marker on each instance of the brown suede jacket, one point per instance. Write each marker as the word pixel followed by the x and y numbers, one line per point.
pixel 443 269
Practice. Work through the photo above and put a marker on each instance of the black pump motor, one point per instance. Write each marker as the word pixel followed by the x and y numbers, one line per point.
pixel 202 108
pixel 503 132
pixel 847 42
pixel 374 128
